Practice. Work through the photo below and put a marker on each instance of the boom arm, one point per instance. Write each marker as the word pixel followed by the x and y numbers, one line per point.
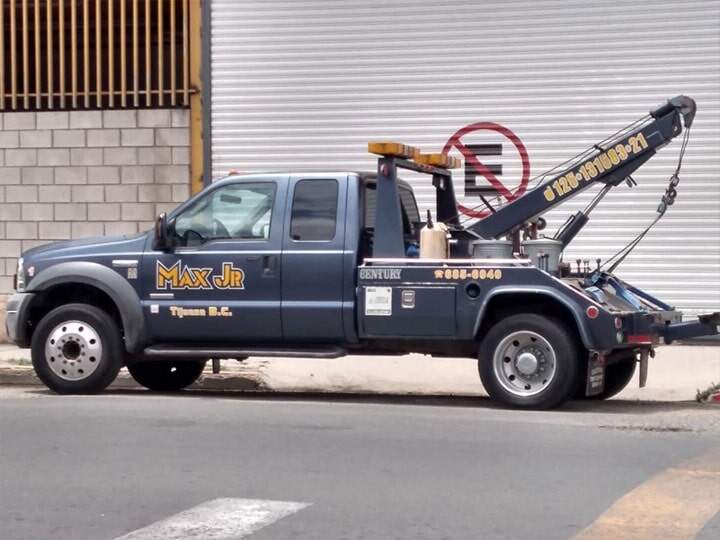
pixel 609 162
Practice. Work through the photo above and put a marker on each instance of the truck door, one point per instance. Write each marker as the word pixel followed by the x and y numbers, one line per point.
pixel 221 283
pixel 312 259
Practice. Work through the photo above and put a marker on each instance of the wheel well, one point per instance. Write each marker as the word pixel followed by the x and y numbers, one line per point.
pixel 507 304
pixel 71 293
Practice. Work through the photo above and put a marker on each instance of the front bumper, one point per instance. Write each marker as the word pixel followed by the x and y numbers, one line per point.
pixel 16 318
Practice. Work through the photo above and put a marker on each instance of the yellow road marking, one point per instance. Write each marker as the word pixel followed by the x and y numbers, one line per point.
pixel 675 504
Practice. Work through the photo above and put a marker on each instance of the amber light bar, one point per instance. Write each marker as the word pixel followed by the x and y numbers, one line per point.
pixel 438 160
pixel 385 148
pixel 396 149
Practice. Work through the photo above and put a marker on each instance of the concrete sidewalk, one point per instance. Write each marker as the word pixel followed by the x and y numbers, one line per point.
pixel 676 374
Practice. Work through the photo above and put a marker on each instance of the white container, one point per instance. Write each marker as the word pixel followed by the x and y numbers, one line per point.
pixel 544 253
pixel 434 242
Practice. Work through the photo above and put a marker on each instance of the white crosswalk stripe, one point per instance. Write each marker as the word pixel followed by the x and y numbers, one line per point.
pixel 218 519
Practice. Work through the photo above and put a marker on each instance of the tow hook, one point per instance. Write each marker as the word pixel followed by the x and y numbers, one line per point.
pixel 706 325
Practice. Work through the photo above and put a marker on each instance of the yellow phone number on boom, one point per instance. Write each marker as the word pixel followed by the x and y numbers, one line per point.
pixel 593 167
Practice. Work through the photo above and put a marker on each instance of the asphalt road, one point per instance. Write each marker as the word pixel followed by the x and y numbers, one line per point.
pixel 99 467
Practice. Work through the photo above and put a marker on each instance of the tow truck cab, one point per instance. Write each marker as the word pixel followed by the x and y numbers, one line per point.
pixel 265 259
pixel 295 244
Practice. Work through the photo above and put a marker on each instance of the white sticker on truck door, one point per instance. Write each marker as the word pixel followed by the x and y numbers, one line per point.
pixel 378 301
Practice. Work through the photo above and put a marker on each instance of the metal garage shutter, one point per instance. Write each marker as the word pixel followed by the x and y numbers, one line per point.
pixel 304 85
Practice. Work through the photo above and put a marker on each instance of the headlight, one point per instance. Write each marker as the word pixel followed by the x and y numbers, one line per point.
pixel 20 276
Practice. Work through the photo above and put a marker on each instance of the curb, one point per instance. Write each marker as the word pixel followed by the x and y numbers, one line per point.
pixel 25 376
pixel 18 375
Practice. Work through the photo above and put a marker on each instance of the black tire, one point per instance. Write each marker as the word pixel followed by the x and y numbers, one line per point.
pixel 617 377
pixel 93 366
pixel 166 376
pixel 549 343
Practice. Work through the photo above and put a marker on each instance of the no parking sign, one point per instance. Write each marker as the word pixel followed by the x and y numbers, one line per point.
pixel 476 169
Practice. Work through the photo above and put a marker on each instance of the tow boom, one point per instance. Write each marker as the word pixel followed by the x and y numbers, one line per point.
pixel 609 162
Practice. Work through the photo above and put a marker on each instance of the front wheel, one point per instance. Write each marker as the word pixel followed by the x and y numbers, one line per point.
pixel 166 376
pixel 77 349
pixel 529 361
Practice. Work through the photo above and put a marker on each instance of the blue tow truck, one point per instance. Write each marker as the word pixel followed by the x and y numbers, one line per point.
pixel 334 263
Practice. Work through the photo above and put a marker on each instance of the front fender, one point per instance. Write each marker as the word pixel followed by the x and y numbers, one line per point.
pixel 108 281
pixel 575 309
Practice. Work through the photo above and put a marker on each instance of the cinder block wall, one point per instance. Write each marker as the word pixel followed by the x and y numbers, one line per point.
pixel 86 173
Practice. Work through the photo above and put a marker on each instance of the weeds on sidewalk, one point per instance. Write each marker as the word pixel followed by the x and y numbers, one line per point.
pixel 19 361
pixel 705 394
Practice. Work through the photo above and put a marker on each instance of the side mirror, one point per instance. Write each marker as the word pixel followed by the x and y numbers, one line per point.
pixel 161 240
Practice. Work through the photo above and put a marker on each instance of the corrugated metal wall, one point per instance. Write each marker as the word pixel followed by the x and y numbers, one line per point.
pixel 305 84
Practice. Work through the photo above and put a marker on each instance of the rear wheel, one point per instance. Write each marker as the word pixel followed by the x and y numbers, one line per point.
pixel 77 349
pixel 166 376
pixel 528 361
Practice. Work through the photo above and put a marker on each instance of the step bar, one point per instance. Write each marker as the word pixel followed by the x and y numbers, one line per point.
pixel 167 352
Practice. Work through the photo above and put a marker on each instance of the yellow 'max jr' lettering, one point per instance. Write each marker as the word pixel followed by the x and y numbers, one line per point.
pixel 179 276
pixel 182 277
pixel 231 278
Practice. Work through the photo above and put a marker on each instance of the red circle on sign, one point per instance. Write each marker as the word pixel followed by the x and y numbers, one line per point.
pixel 482 170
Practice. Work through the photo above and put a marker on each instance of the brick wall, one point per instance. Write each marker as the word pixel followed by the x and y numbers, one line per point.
pixel 86 173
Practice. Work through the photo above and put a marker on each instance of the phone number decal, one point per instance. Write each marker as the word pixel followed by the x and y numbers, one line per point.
pixel 466 273
pixel 593 167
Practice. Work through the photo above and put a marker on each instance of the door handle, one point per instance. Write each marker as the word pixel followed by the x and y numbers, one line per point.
pixel 269 264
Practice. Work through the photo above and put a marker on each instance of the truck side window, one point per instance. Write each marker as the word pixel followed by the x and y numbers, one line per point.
pixel 314 210
pixel 410 208
pixel 235 211
pixel 411 215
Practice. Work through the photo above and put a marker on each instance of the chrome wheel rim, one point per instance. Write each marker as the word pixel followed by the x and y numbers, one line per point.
pixel 524 363
pixel 73 350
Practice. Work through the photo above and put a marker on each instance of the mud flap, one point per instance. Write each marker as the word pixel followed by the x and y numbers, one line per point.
pixel 595 383
pixel 644 355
